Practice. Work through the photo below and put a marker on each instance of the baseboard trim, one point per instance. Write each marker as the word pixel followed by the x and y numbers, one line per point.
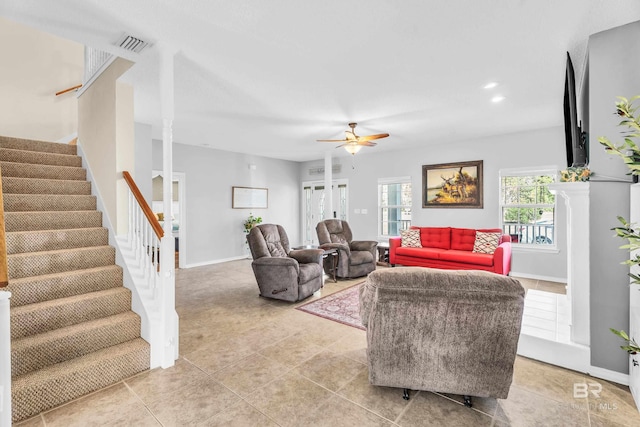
pixel 606 374
pixel 538 277
pixel 215 261
pixel 567 355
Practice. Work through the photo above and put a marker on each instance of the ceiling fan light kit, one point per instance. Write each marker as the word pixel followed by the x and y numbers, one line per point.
pixel 352 147
pixel 353 143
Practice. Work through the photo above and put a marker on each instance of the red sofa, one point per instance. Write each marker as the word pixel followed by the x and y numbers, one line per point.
pixel 452 248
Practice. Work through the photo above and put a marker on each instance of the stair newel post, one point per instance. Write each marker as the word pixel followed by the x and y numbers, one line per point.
pixel 167 243
pixel 5 360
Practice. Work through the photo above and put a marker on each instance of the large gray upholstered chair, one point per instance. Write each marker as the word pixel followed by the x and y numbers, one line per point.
pixel 282 273
pixel 356 257
pixel 442 330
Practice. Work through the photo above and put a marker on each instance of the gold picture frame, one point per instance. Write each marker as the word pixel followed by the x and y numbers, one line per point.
pixel 452 185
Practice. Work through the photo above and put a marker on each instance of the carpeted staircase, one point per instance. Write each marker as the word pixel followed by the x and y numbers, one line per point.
pixel 72 328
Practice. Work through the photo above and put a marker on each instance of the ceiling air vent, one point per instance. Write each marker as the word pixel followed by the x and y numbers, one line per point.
pixel 319 170
pixel 132 44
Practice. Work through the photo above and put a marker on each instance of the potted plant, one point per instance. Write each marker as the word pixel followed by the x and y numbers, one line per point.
pixel 628 150
pixel 630 154
pixel 251 222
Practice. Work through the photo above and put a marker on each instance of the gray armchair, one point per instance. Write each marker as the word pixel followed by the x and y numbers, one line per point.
pixel 282 273
pixel 442 330
pixel 356 257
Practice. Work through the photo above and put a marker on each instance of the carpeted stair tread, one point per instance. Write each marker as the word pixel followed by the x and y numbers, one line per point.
pixel 38 263
pixel 36 145
pixel 15 185
pixel 31 290
pixel 34 319
pixel 44 389
pixel 51 220
pixel 48 202
pixel 72 328
pixel 50 240
pixel 24 170
pixel 36 352
pixel 38 158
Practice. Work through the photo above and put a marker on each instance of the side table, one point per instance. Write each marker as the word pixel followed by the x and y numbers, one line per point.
pixel 383 254
pixel 330 252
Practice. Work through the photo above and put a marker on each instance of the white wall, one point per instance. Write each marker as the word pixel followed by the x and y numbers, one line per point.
pixel 34 66
pixel 143 167
pixel 613 71
pixel 106 134
pixel 215 230
pixel 536 148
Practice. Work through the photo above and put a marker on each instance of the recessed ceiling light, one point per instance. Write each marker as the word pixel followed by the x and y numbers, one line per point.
pixel 497 98
pixel 490 85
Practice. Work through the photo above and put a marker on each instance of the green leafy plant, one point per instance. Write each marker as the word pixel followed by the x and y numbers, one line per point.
pixel 251 222
pixel 628 150
pixel 632 346
pixel 632 235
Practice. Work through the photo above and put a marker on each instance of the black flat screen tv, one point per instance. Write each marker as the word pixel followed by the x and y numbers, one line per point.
pixel 575 140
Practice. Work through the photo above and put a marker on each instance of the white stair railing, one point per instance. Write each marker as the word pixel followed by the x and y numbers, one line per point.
pixel 5 361
pixel 150 257
pixel 94 61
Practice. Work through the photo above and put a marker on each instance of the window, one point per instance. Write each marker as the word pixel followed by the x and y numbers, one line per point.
pixel 394 206
pixel 527 206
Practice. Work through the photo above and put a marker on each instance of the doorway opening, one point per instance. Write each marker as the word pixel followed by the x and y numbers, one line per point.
pixel 178 209
pixel 314 206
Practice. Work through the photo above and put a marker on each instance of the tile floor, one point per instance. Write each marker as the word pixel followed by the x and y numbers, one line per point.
pixel 250 361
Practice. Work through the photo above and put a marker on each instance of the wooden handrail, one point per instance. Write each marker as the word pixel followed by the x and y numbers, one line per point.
pixel 4 269
pixel 76 87
pixel 157 228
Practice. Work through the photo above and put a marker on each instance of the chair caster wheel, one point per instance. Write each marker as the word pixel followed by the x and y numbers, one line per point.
pixel 467 401
pixel 405 394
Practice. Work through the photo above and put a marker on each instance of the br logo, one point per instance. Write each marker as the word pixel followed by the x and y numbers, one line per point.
pixel 582 390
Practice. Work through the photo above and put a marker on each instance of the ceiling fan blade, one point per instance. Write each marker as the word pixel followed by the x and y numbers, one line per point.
pixel 372 137
pixel 332 140
pixel 367 143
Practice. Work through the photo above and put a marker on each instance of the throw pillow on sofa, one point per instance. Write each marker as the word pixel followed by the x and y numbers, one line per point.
pixel 410 239
pixel 486 243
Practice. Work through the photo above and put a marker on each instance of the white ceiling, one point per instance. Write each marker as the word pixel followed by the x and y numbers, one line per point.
pixel 271 77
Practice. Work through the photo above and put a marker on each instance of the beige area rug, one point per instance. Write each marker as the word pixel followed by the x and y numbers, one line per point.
pixel 342 306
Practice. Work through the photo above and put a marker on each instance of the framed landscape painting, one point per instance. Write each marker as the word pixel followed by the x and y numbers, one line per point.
pixel 452 185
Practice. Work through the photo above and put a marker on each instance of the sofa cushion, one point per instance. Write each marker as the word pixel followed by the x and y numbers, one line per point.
pixel 486 243
pixel 462 239
pixel 435 237
pixel 467 257
pixel 429 253
pixel 410 238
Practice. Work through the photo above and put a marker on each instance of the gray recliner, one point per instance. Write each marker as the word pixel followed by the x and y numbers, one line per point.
pixel 445 331
pixel 282 273
pixel 356 257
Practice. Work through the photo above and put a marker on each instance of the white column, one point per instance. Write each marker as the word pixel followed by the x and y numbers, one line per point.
pixel 5 361
pixel 167 245
pixel 328 186
pixel 576 197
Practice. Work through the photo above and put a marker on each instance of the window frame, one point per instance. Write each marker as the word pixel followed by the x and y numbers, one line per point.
pixel 530 171
pixel 387 181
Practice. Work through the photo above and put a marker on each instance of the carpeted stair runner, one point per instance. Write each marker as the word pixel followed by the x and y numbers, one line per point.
pixel 72 328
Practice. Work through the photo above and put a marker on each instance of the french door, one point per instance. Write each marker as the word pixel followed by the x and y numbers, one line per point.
pixel 314 206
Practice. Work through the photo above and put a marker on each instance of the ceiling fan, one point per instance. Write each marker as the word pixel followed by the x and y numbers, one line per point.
pixel 353 143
